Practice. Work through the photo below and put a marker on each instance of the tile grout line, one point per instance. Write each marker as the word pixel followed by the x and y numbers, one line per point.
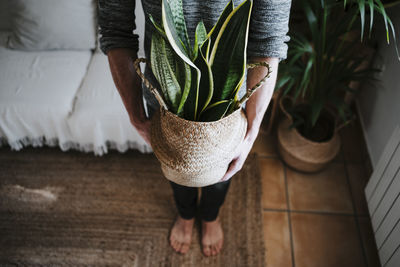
pixel 316 212
pixel 289 216
pixel 360 239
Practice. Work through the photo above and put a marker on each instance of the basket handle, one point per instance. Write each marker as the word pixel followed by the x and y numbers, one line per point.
pixel 147 82
pixel 251 91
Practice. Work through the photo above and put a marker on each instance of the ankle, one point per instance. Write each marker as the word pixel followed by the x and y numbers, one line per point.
pixel 216 220
pixel 185 222
pixel 179 217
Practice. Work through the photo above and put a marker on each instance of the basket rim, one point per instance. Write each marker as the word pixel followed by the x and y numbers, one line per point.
pixel 176 117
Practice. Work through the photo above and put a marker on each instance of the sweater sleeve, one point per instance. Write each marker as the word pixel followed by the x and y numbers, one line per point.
pixel 269 25
pixel 116 25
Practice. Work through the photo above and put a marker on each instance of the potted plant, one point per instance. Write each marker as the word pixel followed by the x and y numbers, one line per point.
pixel 200 123
pixel 323 61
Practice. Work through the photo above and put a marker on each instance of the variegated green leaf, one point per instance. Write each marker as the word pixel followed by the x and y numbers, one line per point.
pixel 163 72
pixel 155 55
pixel 205 49
pixel 170 55
pixel 179 48
pixel 179 21
pixel 217 27
pixel 216 111
pixel 185 75
pixel 199 38
pixel 158 27
pixel 173 35
pixel 206 87
pixel 180 72
pixel 228 55
pixel 191 105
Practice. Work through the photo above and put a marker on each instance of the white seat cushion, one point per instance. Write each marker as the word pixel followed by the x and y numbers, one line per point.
pixel 43 25
pixel 99 117
pixel 37 90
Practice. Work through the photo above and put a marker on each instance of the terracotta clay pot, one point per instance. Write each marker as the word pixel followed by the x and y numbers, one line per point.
pixel 301 153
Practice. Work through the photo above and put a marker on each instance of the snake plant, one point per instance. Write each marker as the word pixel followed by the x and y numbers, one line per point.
pixel 200 82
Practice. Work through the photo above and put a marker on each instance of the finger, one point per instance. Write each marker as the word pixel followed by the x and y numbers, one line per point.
pixel 231 171
pixel 226 177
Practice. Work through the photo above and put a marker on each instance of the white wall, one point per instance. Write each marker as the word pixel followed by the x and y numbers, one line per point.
pixel 379 106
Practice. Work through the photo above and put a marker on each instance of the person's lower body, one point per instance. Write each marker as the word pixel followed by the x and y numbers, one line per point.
pixel 186 199
pixel 212 198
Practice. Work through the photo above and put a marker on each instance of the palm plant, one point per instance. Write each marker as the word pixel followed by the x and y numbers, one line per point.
pixel 186 74
pixel 323 60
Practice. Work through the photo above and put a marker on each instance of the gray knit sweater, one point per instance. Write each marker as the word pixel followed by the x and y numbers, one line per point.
pixel 267 35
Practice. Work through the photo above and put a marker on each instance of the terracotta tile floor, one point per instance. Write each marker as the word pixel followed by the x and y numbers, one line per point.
pixel 317 219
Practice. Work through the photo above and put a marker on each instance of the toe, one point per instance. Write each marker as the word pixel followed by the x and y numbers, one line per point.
pixel 218 248
pixel 214 250
pixel 175 245
pixel 178 247
pixel 219 245
pixel 184 248
pixel 207 250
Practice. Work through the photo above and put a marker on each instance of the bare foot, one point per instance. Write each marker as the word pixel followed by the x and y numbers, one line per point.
pixel 181 235
pixel 212 237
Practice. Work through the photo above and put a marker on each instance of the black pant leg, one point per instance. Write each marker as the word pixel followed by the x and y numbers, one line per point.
pixel 185 200
pixel 212 198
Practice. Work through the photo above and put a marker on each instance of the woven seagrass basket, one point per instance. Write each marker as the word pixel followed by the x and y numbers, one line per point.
pixel 194 153
pixel 301 153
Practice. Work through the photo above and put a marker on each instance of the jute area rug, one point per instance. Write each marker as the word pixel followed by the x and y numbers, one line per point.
pixel 74 209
